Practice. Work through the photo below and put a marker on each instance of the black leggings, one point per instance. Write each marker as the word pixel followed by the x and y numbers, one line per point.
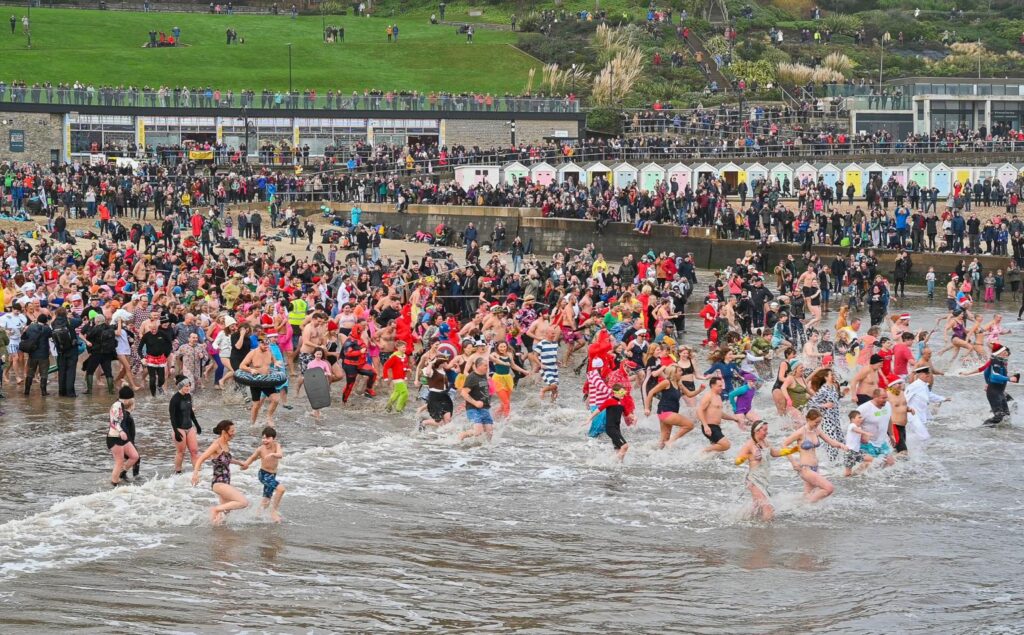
pixel 614 431
pixel 156 378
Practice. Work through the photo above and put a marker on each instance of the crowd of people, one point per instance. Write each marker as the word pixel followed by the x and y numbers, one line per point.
pixel 122 95
pixel 435 333
pixel 887 215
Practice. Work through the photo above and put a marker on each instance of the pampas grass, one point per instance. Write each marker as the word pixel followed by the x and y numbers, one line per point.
pixel 557 80
pixel 838 62
pixel 618 77
pixel 794 74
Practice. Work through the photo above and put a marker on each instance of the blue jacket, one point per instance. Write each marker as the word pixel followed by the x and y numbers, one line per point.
pixel 996 372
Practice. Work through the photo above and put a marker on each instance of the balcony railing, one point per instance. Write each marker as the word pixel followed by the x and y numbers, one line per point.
pixel 280 100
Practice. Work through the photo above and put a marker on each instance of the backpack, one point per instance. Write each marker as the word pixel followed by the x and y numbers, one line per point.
pixel 62 339
pixel 29 340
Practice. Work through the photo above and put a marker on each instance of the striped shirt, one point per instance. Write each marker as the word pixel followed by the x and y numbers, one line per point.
pixel 548 352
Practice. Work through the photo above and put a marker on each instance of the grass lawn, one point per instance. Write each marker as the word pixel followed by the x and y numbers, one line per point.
pixel 105 47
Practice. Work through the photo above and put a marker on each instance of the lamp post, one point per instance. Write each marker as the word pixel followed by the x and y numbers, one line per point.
pixel 573 79
pixel 28 30
pixel 245 122
pixel 881 62
pixel 289 71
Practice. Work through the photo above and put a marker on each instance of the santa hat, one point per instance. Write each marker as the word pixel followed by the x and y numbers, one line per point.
pixel 893 380
pixel 999 349
pixel 904 316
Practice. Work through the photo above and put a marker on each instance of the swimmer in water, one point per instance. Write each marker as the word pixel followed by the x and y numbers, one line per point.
pixel 219 455
pixel 269 453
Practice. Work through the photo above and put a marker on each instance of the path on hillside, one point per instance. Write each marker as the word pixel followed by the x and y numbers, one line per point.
pixel 696 45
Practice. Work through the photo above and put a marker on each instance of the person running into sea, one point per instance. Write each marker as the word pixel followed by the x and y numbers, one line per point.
pixel 476 392
pixel 855 435
pixel 670 392
pixel 996 379
pixel 259 362
pixel 219 455
pixel 816 486
pixel 757 454
pixel 545 357
pixel 318 361
pixel 615 409
pixel 121 436
pixel 439 401
pixel 710 415
pixel 395 370
pixel 742 400
pixel 184 424
pixel 269 452
pixel 504 381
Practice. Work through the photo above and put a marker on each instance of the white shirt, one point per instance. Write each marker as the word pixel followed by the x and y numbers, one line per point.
pixel 852 438
pixel 343 295
pixel 919 396
pixel 15 323
pixel 876 421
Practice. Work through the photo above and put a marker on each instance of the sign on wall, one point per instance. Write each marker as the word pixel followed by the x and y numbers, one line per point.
pixel 16 141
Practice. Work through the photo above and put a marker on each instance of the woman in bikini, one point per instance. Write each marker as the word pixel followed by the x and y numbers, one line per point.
pixel 816 486
pixel 688 374
pixel 671 390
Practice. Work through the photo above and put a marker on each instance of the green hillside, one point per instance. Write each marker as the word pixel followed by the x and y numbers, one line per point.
pixel 106 47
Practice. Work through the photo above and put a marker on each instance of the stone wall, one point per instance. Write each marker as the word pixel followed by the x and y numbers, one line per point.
pixel 546 236
pixel 43 134
pixel 496 134
pixel 549 235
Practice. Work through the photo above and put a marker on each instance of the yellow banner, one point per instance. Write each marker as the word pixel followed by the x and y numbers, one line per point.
pixel 200 155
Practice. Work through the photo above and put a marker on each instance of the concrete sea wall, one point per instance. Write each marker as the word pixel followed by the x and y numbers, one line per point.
pixel 550 235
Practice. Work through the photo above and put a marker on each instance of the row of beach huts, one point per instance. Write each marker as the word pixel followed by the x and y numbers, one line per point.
pixel 647 176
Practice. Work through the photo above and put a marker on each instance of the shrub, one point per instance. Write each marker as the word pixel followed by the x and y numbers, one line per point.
pixel 716 45
pixel 530 23
pixel 841 23
pixel 605 120
pixel 762 71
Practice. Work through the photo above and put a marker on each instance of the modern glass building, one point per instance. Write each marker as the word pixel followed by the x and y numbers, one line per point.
pixel 923 105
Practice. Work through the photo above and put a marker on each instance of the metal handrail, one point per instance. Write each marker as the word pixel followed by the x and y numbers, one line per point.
pixel 208 98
